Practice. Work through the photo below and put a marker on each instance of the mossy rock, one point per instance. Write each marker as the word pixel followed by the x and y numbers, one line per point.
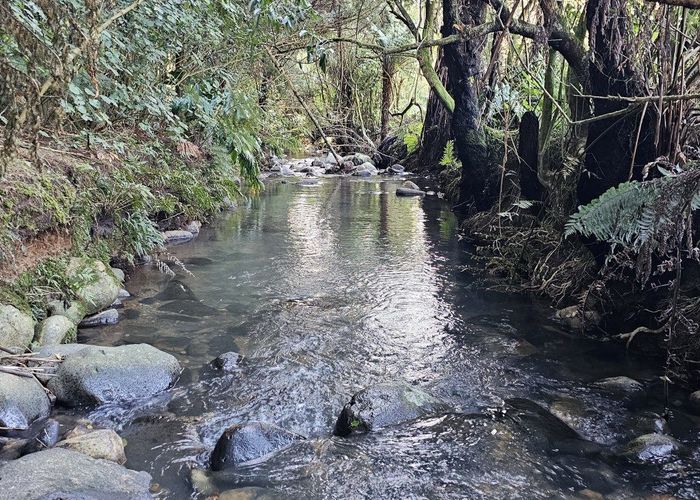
pixel 56 330
pixel 16 327
pixel 94 283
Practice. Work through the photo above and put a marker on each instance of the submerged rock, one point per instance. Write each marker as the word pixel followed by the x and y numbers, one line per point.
pixel 243 443
pixel 622 386
pixel 650 448
pixel 108 317
pixel 98 287
pixel 112 374
pixel 22 401
pixel 101 444
pixel 385 404
pixel 309 182
pixel 64 474
pixel 56 330
pixel 16 328
pixel 177 236
pixel 228 361
pixel 249 493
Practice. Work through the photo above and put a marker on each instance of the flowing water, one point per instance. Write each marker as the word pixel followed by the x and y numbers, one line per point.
pixel 331 288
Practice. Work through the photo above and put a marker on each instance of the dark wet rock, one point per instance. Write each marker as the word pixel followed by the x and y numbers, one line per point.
pixel 64 474
pixel 622 386
pixel 11 448
pixel 570 411
pixel 651 448
pixel 348 167
pixel 309 182
pixel 571 317
pixel 56 330
pixel 694 402
pixel 383 405
pixel 396 169
pixel 243 443
pixel 22 401
pixel 402 191
pixel 112 374
pixel 176 290
pixel 228 361
pixel 16 328
pixel 132 314
pixel 645 422
pixel 46 437
pixel 108 317
pixel 176 236
pixel 249 493
pixel 317 163
pixel 98 287
pixel 100 444
pixel 358 159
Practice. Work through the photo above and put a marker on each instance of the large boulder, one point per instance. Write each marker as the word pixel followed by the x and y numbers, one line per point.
pixel 64 474
pixel 97 287
pixel 56 330
pixel 243 443
pixel 109 374
pixel 22 401
pixel 16 328
pixel 385 404
pixel 102 444
pixel 651 448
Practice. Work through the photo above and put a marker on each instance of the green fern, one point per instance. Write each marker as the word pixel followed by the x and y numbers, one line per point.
pixel 449 156
pixel 651 215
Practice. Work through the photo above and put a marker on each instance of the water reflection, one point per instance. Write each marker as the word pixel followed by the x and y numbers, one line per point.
pixel 328 289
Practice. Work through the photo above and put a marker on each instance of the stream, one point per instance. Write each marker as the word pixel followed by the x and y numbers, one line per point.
pixel 331 288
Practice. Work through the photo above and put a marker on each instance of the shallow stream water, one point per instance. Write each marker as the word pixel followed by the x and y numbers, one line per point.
pixel 331 288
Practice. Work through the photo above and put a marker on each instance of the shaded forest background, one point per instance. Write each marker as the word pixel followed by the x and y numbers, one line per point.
pixel 566 134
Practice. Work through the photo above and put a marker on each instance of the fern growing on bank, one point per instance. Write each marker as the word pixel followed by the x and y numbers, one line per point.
pixel 651 217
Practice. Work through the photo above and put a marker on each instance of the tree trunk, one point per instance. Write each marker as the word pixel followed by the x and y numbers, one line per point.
pixel 611 144
pixel 462 59
pixel 437 125
pixel 528 138
pixel 387 94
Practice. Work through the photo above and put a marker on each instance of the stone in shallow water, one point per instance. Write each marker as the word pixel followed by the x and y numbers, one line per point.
pixel 385 404
pixel 98 287
pixel 102 444
pixel 401 191
pixel 64 474
pixel 243 443
pixel 22 401
pixel 622 386
pixel 45 438
pixel 108 317
pixel 113 374
pixel 178 236
pixel 249 493
pixel 651 448
pixel 228 361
